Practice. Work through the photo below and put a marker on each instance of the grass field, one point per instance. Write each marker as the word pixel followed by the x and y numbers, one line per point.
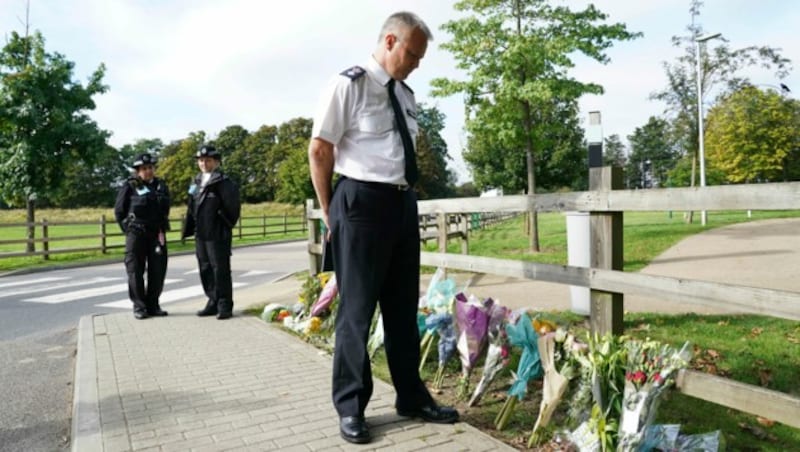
pixel 646 235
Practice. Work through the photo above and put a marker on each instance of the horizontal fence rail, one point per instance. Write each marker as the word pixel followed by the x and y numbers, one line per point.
pixel 55 232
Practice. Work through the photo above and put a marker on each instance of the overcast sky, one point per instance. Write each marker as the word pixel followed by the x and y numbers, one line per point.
pixel 177 66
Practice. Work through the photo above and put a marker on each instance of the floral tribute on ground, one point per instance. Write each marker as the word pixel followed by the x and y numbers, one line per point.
pixel 613 383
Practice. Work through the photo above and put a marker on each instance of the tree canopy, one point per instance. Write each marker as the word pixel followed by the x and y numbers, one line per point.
pixel 753 136
pixel 44 121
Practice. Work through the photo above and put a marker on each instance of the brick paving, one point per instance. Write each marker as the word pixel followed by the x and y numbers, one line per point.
pixel 184 383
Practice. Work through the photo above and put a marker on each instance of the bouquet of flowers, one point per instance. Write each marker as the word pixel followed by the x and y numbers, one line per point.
pixel 596 403
pixel 497 353
pixel 447 347
pixel 649 372
pixel 326 296
pixel 472 321
pixel 555 350
pixel 520 334
pixel 438 300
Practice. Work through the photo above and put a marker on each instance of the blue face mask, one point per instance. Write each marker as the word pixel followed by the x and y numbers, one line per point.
pixel 142 191
pixel 193 189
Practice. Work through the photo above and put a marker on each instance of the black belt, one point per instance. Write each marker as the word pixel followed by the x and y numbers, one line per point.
pixel 382 185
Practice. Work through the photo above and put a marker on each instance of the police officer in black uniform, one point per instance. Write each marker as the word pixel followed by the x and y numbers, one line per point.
pixel 142 212
pixel 214 208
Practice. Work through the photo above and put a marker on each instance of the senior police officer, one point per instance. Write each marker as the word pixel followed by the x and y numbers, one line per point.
pixel 142 212
pixel 214 208
pixel 364 130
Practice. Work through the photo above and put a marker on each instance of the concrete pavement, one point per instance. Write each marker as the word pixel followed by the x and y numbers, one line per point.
pixel 186 383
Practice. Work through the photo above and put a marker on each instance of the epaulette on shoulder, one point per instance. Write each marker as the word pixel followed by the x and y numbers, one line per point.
pixel 407 87
pixel 353 73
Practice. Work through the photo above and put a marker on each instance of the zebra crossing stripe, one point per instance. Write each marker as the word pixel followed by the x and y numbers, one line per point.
pixel 65 285
pixel 86 293
pixel 167 297
pixel 33 281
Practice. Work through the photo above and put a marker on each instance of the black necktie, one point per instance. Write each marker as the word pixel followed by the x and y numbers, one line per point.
pixel 412 174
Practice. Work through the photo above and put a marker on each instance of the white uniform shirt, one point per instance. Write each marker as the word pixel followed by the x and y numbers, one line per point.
pixel 356 116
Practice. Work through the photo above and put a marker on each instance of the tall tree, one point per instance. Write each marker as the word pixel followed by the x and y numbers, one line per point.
pixel 517 54
pixel 653 154
pixel 614 152
pixel 720 69
pixel 295 178
pixel 753 135
pixel 436 180
pixel 178 166
pixel 292 136
pixel 249 164
pixel 44 124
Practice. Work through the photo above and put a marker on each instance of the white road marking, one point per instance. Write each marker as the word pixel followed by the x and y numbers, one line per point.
pixel 84 282
pixel 33 281
pixel 255 272
pixel 191 272
pixel 167 297
pixel 86 293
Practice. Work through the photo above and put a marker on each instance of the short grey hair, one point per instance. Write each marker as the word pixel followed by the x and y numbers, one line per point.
pixel 401 21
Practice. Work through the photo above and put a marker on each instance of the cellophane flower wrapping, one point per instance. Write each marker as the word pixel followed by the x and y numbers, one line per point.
pixel 438 299
pixel 376 338
pixel 497 352
pixel 553 356
pixel 446 348
pixel 326 297
pixel 472 322
pixel 520 334
pixel 650 370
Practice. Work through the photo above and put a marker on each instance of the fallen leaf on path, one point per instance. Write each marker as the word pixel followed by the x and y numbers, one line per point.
pixel 765 422
pixel 756 331
pixel 757 432
pixel 765 377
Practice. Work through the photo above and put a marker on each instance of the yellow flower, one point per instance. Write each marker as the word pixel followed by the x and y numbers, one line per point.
pixel 314 325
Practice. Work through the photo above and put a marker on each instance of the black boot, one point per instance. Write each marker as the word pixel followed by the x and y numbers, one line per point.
pixel 209 310
pixel 157 312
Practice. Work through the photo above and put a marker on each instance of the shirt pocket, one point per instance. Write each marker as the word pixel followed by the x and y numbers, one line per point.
pixel 378 124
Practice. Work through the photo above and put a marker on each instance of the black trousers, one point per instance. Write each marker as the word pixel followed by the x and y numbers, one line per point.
pixel 142 256
pixel 375 244
pixel 214 261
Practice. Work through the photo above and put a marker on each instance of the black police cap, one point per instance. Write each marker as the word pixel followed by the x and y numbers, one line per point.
pixel 208 151
pixel 144 159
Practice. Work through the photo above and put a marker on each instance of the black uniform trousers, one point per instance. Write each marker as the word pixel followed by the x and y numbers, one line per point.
pixel 375 244
pixel 214 260
pixel 141 256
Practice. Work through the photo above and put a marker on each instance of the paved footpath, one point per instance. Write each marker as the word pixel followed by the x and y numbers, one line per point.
pixel 189 383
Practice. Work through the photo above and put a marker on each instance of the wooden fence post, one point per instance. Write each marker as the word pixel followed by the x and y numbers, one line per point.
pixel 285 223
pixel 314 238
pixel 605 240
pixel 241 220
pixel 263 225
pixel 45 240
pixel 103 234
pixel 465 233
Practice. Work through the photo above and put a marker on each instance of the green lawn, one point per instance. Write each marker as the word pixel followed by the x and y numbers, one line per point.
pixel 646 235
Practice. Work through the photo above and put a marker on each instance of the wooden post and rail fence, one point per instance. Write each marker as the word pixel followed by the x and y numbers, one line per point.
pixel 55 232
pixel 606 202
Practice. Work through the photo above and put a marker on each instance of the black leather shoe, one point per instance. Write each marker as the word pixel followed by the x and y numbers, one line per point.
pixel 432 413
pixel 158 312
pixel 354 429
pixel 224 315
pixel 140 315
pixel 209 310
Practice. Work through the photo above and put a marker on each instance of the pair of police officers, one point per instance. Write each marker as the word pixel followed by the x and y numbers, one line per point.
pixel 142 211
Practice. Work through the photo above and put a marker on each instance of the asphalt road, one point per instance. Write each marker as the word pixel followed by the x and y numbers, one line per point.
pixel 39 314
